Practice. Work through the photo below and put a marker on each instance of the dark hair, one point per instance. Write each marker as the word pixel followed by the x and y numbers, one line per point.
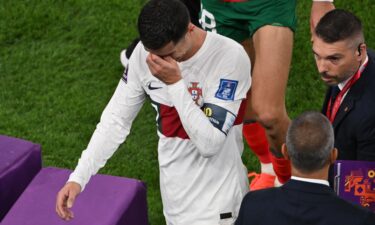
pixel 310 141
pixel 339 25
pixel 162 21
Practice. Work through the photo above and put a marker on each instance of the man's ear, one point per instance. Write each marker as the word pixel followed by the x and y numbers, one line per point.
pixel 362 49
pixel 284 151
pixel 334 154
pixel 191 27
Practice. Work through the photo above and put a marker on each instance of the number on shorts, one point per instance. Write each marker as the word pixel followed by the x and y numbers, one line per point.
pixel 207 21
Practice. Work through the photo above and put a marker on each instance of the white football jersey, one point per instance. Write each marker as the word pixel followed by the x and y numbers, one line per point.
pixel 199 119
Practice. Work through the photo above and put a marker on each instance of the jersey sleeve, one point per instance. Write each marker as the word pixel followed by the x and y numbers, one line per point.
pixel 114 125
pixel 226 90
pixel 231 79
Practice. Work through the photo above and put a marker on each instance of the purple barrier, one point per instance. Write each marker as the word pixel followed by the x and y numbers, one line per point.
pixel 20 161
pixel 354 182
pixel 106 200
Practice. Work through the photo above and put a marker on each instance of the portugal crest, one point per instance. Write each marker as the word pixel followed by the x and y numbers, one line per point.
pixel 196 92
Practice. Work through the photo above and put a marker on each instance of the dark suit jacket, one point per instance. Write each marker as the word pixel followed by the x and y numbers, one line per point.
pixel 354 125
pixel 300 203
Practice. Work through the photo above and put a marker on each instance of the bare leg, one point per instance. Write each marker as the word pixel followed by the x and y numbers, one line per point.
pixel 273 52
pixel 270 52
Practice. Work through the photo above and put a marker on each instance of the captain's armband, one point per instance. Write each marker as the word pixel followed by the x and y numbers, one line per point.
pixel 221 118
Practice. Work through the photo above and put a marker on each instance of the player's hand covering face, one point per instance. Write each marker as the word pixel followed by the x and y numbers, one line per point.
pixel 165 69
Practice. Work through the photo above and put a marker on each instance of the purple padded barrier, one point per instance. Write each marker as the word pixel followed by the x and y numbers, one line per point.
pixel 20 161
pixel 106 200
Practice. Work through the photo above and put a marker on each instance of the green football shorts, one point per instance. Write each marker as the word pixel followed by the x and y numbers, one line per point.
pixel 240 19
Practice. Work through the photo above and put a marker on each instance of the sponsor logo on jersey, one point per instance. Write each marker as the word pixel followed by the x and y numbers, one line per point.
pixel 154 85
pixel 195 91
pixel 227 89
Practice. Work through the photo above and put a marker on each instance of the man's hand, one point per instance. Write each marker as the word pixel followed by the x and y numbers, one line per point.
pixel 65 200
pixel 165 69
pixel 318 10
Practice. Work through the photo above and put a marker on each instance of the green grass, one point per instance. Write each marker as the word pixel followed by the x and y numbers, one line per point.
pixel 59 65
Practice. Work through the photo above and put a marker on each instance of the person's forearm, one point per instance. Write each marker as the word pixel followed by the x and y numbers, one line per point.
pixel 207 138
pixel 111 131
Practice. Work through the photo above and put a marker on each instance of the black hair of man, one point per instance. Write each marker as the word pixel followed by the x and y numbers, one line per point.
pixel 310 141
pixel 339 25
pixel 162 21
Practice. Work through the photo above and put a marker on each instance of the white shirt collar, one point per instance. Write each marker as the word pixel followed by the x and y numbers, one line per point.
pixel 310 180
pixel 342 84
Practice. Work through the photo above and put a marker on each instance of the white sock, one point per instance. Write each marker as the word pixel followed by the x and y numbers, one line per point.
pixel 267 168
pixel 278 183
pixel 124 61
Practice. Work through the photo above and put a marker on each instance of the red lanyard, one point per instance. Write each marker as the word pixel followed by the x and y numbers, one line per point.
pixel 331 114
